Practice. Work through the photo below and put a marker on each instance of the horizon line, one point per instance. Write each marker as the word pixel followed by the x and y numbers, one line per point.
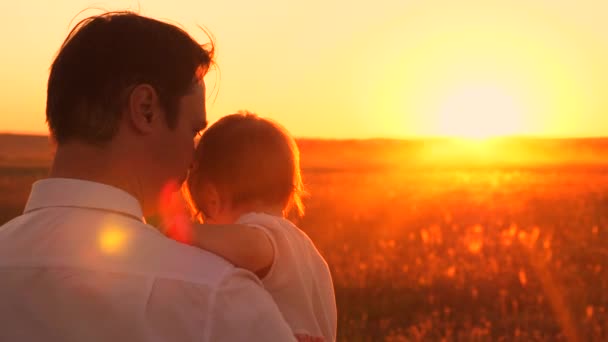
pixel 396 138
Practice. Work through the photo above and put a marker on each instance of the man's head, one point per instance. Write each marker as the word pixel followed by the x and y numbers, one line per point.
pixel 133 85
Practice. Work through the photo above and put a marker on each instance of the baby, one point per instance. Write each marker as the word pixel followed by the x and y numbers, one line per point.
pixel 244 181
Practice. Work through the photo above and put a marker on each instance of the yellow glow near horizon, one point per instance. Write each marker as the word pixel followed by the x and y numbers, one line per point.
pixel 343 69
pixel 489 70
pixel 479 111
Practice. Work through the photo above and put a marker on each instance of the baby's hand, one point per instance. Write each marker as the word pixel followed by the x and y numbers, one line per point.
pixel 308 338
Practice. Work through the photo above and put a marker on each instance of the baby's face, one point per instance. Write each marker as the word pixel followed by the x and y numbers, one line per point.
pixel 216 206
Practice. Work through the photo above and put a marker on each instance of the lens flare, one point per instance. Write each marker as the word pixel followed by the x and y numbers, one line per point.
pixel 175 220
pixel 112 240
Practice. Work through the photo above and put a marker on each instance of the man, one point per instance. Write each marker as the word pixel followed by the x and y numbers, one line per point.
pixel 125 101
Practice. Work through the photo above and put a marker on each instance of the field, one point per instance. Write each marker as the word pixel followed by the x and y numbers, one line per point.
pixel 508 243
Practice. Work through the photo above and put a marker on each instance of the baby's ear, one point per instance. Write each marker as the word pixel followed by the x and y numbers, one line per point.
pixel 210 201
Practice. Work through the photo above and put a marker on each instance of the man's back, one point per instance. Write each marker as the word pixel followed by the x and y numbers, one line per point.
pixel 80 265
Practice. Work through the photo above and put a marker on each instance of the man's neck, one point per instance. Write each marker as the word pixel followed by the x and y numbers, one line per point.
pixel 96 164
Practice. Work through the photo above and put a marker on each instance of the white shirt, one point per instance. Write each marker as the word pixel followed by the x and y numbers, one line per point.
pixel 299 279
pixel 81 265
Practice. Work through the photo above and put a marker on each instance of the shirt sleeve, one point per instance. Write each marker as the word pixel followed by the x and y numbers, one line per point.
pixel 242 310
pixel 259 222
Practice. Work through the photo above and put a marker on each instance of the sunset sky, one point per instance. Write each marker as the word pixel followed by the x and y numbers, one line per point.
pixel 359 69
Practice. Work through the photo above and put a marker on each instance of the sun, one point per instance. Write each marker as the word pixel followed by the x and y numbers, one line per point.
pixel 478 78
pixel 478 111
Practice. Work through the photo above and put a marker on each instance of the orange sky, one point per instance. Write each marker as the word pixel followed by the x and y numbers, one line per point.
pixel 360 69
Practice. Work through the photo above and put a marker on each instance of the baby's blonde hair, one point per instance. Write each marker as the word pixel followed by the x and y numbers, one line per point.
pixel 252 159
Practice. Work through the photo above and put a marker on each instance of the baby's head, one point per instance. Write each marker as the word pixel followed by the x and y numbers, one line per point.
pixel 245 163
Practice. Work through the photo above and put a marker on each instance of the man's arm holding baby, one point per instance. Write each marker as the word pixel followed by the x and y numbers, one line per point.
pixel 244 246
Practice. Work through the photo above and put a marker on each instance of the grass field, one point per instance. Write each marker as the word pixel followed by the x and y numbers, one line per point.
pixel 467 250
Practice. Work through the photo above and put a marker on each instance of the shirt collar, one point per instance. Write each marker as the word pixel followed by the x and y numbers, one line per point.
pixel 76 193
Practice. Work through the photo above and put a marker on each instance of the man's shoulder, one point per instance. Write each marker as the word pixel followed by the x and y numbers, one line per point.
pixel 159 256
pixel 106 243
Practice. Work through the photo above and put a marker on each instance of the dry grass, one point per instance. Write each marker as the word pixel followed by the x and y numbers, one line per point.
pixel 465 255
pixel 447 254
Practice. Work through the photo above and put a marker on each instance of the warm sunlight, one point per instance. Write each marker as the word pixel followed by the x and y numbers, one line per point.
pixel 483 71
pixel 451 157
pixel 470 148
pixel 112 240
pixel 343 69
pixel 479 111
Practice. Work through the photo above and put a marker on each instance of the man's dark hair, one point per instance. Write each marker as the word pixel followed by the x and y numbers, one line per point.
pixel 103 58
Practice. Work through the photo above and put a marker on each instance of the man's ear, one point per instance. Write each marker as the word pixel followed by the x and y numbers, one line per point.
pixel 144 111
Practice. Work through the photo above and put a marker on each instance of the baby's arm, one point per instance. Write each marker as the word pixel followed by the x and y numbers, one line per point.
pixel 244 246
